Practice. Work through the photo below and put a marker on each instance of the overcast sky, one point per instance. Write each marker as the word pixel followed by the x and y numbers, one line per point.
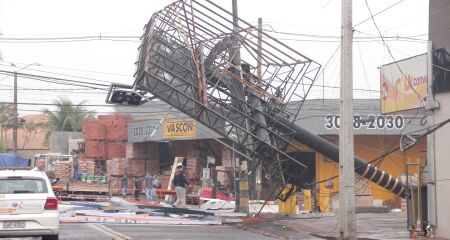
pixel 26 26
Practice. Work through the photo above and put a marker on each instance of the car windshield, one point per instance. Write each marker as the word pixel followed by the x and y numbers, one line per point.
pixel 22 185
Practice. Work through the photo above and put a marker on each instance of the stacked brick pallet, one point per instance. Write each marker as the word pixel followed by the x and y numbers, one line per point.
pixel 115 169
pixel 165 180
pixel 63 170
pixel 119 166
pixel 106 137
pixel 86 164
pixel 191 152
pixel 94 133
pixel 145 156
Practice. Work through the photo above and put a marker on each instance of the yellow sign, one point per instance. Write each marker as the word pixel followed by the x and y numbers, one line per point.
pixel 403 84
pixel 180 128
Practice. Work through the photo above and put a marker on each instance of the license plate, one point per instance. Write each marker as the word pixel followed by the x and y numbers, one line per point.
pixel 14 224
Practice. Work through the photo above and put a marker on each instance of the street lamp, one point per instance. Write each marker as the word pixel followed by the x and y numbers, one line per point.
pixel 16 114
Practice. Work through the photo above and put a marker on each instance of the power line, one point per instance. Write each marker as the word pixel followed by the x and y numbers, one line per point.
pixel 51 89
pixel 56 80
pixel 336 87
pixel 69 75
pixel 389 50
pixel 126 38
pixel 372 16
pixel 69 38
pixel 434 65
pixel 150 113
pixel 360 38
pixel 71 69
pixel 433 129
pixel 55 104
pixel 69 41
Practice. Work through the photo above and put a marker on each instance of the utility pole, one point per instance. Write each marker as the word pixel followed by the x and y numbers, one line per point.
pixel 258 56
pixel 259 74
pixel 347 223
pixel 15 117
pixel 243 169
pixel 16 114
pixel 430 106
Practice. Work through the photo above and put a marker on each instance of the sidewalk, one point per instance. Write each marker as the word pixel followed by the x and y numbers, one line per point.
pixel 390 225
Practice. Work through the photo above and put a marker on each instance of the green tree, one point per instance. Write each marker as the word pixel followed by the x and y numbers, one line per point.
pixel 2 147
pixel 30 129
pixel 6 118
pixel 67 117
pixel 6 113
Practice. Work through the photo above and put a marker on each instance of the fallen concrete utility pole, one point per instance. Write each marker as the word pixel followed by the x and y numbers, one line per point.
pixel 330 150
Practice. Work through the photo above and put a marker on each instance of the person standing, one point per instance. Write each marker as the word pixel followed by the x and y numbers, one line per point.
pixel 180 182
pixel 149 187
pixel 137 188
pixel 75 177
pixel 40 166
pixel 124 185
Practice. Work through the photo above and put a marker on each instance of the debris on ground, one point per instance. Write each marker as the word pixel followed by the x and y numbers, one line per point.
pixel 119 210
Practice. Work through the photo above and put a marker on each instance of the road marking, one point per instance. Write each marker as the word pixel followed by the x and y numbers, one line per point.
pixel 110 232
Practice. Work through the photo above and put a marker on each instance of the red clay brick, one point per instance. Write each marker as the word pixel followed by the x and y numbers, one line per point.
pixel 94 149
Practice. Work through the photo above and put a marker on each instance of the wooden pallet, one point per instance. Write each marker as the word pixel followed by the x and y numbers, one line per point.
pixel 88 187
pixel 82 197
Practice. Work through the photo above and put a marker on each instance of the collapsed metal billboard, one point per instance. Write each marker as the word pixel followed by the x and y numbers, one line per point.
pixel 403 84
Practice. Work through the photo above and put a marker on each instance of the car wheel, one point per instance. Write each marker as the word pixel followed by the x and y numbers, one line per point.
pixel 50 237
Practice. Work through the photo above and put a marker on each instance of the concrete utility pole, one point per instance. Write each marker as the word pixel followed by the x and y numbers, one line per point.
pixel 258 56
pixel 16 114
pixel 430 106
pixel 347 223
pixel 15 117
pixel 259 74
pixel 243 169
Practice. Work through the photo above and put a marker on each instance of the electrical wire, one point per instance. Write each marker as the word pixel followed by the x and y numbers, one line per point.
pixel 71 69
pixel 372 16
pixel 56 80
pixel 433 129
pixel 390 53
pixel 48 77
pixel 87 38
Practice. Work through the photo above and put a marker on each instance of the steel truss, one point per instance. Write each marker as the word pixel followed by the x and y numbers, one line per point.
pixel 185 60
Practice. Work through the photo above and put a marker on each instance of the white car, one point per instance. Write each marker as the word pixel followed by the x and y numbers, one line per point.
pixel 28 206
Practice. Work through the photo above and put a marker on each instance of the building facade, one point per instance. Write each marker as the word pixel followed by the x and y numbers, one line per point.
pixel 439 35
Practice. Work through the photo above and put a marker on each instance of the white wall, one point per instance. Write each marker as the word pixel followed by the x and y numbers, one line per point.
pixel 442 153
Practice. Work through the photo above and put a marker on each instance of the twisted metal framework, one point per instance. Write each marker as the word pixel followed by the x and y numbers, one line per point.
pixel 185 60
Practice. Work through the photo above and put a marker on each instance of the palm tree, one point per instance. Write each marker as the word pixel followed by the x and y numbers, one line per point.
pixel 67 117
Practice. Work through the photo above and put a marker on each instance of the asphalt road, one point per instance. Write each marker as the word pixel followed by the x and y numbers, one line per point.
pixel 81 231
